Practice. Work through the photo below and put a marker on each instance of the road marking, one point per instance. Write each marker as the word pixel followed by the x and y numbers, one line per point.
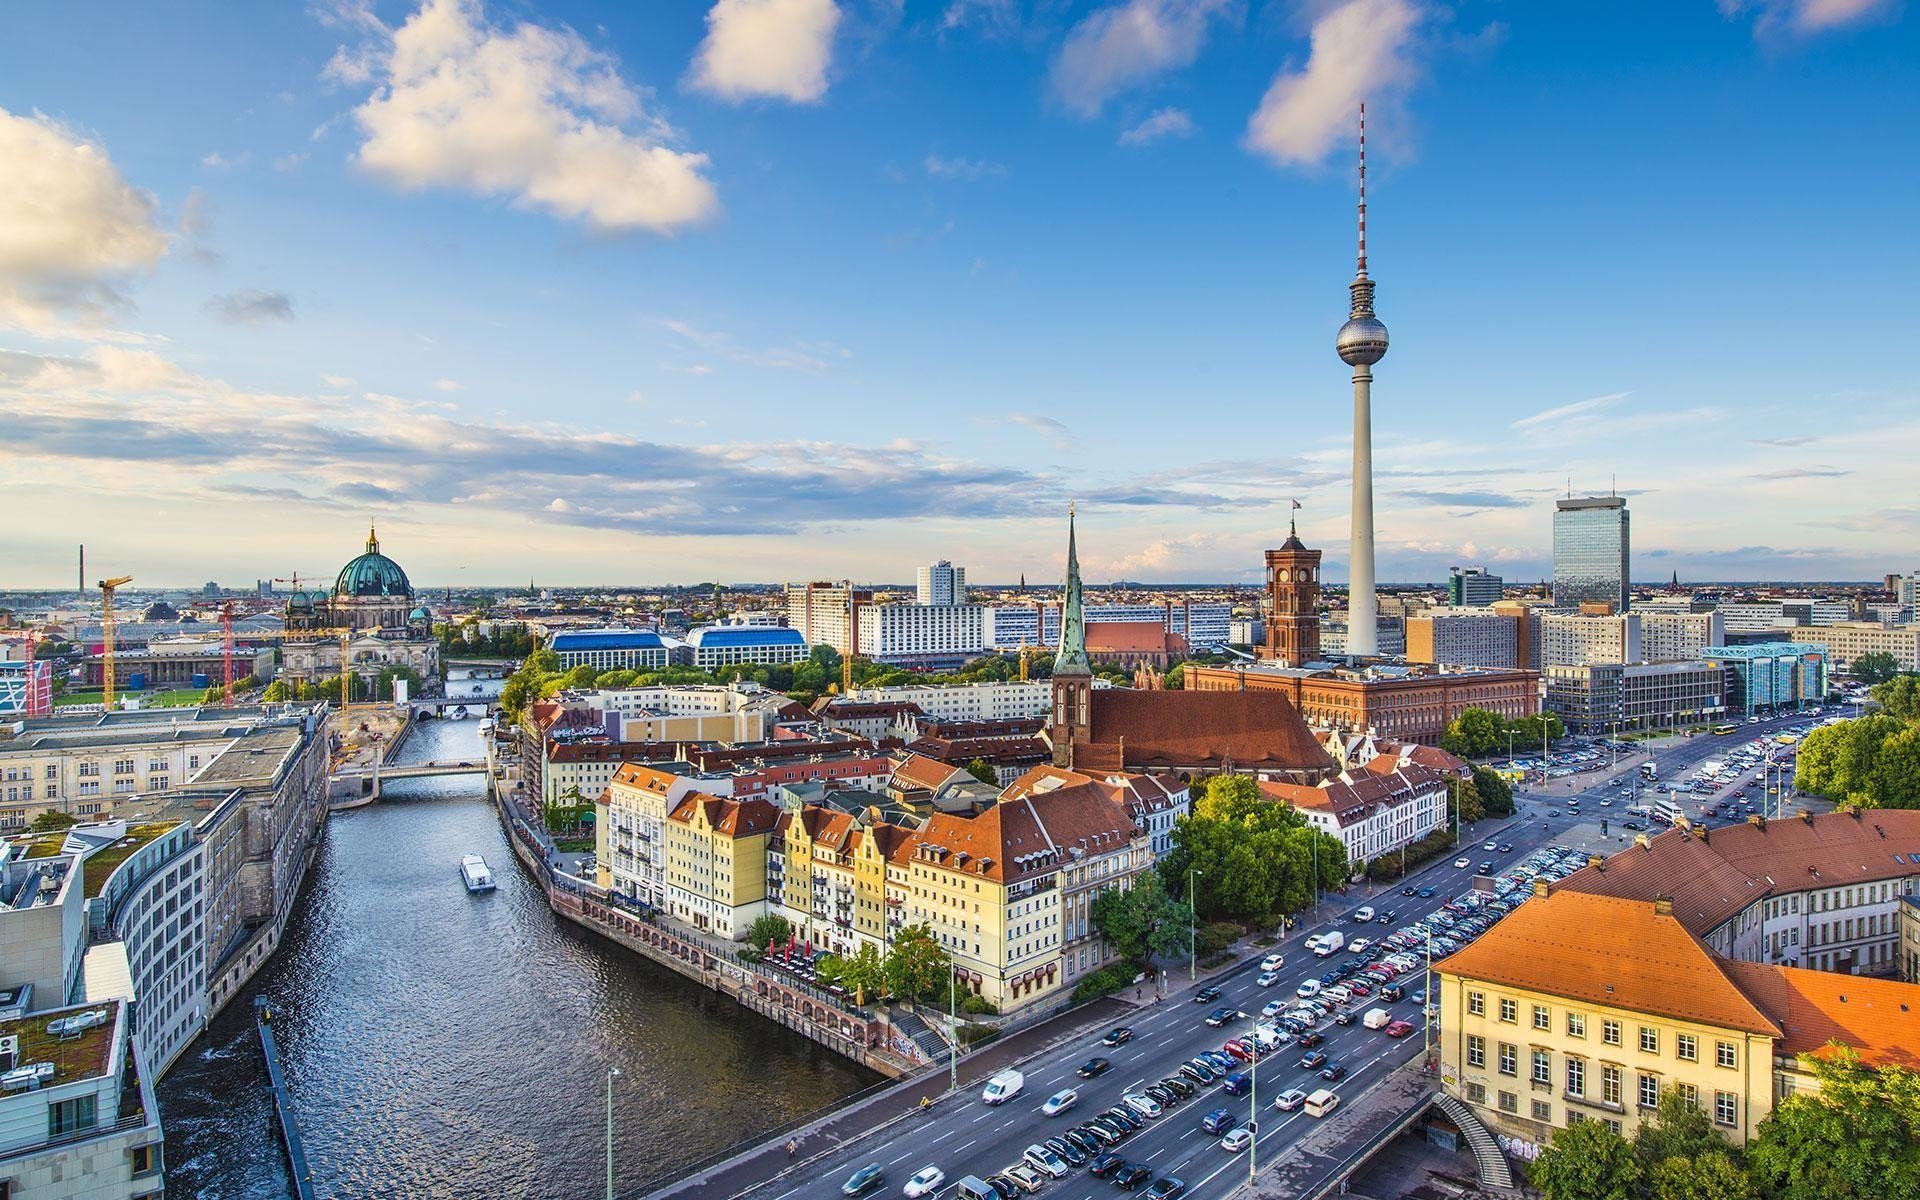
pixel 1189 1133
pixel 785 1194
pixel 983 1116
pixel 956 1150
pixel 892 1161
pixel 1149 1158
pixel 943 1137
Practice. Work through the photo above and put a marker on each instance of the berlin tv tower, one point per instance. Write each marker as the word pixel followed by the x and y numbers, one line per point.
pixel 1361 343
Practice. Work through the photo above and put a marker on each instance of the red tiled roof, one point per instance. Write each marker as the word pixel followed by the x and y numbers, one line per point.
pixel 1172 730
pixel 1021 838
pixel 1355 797
pixel 1126 637
pixel 921 773
pixel 622 752
pixel 1604 950
pixel 727 816
pixel 1878 1017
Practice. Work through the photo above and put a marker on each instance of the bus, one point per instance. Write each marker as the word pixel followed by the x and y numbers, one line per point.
pixel 1664 811
pixel 1724 730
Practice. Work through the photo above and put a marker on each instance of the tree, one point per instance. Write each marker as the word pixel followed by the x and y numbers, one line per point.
pixel 768 930
pixel 1463 801
pixel 1496 794
pixel 916 963
pixel 865 973
pixel 1588 1161
pixel 52 821
pixel 1143 921
pixel 1474 732
pixel 1175 679
pixel 1899 696
pixel 1709 1175
pixel 278 692
pixel 1255 857
pixel 1679 1129
pixel 982 770
pixel 829 969
pixel 1857 1137
pixel 1875 666
pixel 1873 762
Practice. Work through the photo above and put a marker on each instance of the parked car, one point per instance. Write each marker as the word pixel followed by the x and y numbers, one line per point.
pixel 1146 1106
pixel 1178 1086
pixel 1083 1141
pixel 1073 1154
pixel 1030 1180
pixel 1043 1159
pixel 1105 1165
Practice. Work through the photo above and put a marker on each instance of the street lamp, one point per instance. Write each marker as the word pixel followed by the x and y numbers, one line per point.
pixel 953 1030
pixel 1253 1103
pixel 1193 929
pixel 1426 1021
pixel 611 1072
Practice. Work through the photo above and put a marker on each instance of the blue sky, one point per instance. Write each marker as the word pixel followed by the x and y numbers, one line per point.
pixel 767 289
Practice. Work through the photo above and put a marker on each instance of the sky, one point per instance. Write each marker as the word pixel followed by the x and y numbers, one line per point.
pixel 758 290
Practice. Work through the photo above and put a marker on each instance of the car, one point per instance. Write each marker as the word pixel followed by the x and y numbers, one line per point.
pixel 1043 1159
pixel 1216 1018
pixel 1308 1040
pixel 1073 1154
pixel 1290 1099
pixel 925 1182
pixel 1083 1141
pixel 1487 845
pixel 1104 1165
pixel 1425 893
pixel 1199 1072
pixel 1486 868
pixel 1462 863
pixel 1363 914
pixel 1313 1060
pixel 1095 1067
pixel 1236 1140
pixel 1132 1176
pixel 1100 1131
pixel 1308 989
pixel 1162 1095
pixel 1632 826
pixel 1398 1029
pixel 1236 1084
pixel 1030 1180
pixel 1553 812
pixel 1406 891
pixel 1385 917
pixel 1506 847
pixel 1606 802
pixel 1273 962
pixel 1220 1059
pixel 1124 1115
pixel 1359 989
pixel 1060 1102
pixel 1145 1106
pixel 864 1180
pixel 1117 1037
pixel 1333 1072
pixel 1267 978
pixel 1343 1017
pixel 1418 996
pixel 1237 1049
pixel 1207 995
pixel 1219 1120
pixel 1178 1086
pixel 1166 1188
pixel 1273 1008
pixel 1003 1187
pixel 1359 945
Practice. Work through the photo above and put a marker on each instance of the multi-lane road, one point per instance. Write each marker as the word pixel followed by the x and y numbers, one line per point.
pixel 963 1136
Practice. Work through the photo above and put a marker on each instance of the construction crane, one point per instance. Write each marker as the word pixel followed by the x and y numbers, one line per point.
pixel 107 589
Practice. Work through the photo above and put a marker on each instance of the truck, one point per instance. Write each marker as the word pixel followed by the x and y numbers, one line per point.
pixel 1004 1086
pixel 1377 1018
pixel 1329 943
pixel 1649 770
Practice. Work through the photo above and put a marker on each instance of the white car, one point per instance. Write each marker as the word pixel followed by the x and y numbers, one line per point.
pixel 1363 914
pixel 1268 978
pixel 1060 1102
pixel 1310 988
pixel 1237 1139
pixel 1290 1099
pixel 925 1182
pixel 1046 1160
pixel 1489 845
pixel 1273 962
pixel 1273 1008
pixel 1144 1105
pixel 1358 945
pixel 1462 863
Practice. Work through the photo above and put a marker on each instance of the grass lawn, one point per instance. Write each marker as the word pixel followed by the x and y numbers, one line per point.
pixel 176 698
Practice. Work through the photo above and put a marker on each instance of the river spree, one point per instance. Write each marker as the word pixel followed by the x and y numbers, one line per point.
pixel 445 1045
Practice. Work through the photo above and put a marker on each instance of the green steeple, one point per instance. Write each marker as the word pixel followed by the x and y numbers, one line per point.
pixel 1072 658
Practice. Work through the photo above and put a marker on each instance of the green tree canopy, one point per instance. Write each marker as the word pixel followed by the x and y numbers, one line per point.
pixel 916 963
pixel 1496 794
pixel 1143 921
pixel 1855 1138
pixel 1899 697
pixel 1588 1161
pixel 865 974
pixel 768 930
pixel 1255 856
pixel 1875 666
pixel 1873 762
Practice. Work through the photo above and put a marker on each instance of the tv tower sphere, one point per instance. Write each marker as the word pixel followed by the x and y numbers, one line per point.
pixel 1362 341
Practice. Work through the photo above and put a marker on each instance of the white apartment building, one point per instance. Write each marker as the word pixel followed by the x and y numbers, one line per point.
pixel 630 830
pixel 922 633
pixel 1671 636
pixel 1759 616
pixel 738 712
pixel 1571 639
pixel 1848 640
pixel 1011 626
pixel 84 1124
pixel 941 583
pixel 613 649
pixel 823 611
pixel 1374 810
pixel 970 701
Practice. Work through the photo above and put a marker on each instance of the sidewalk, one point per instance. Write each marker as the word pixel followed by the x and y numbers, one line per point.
pixel 1338 1143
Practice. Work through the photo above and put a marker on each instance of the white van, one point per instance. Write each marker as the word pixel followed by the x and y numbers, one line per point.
pixel 1003 1087
pixel 1321 1103
pixel 1338 993
pixel 1377 1018
pixel 972 1187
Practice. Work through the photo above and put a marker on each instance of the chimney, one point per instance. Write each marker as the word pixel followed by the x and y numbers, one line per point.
pixel 1597 861
pixel 1807 816
pixel 1663 906
pixel 1540 887
pixel 1757 821
pixel 1641 840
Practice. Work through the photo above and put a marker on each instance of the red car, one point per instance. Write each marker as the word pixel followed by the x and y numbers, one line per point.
pixel 1399 1029
pixel 1359 989
pixel 1238 1049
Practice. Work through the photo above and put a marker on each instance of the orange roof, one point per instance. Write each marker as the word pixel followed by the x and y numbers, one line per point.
pixel 1126 637
pixel 727 816
pixel 1355 797
pixel 1603 950
pixel 921 773
pixel 1878 1017
pixel 1024 837
pixel 1185 729
pixel 1712 877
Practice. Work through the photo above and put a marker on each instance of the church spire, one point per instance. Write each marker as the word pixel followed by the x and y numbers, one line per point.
pixel 373 541
pixel 1072 658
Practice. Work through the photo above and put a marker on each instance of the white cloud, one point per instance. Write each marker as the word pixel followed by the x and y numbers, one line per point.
pixel 967 170
pixel 994 18
pixel 251 306
pixel 72 230
pixel 775 48
pixel 446 385
pixel 1361 50
pixel 218 161
pixel 1807 17
pixel 793 356
pixel 1047 427
pixel 1565 412
pixel 1162 123
pixel 337 381
pixel 534 114
pixel 1123 45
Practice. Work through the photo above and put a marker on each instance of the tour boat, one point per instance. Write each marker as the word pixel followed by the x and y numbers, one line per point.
pixel 473 870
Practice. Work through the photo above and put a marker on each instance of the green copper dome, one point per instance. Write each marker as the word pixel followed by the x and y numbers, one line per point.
pixel 372 574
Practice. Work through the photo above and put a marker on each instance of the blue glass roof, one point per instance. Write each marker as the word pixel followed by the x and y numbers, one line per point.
pixel 607 639
pixel 746 635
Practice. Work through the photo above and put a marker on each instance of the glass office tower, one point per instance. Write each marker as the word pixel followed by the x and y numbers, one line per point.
pixel 1590 552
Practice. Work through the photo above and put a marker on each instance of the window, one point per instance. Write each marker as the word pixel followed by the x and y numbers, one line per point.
pixel 1649 1039
pixel 1543 1067
pixel 1543 1111
pixel 1576 1024
pixel 1689 1093
pixel 1542 1019
pixel 1610 1032
pixel 1609 1084
pixel 1509 1011
pixel 1649 1091
pixel 145 1160
pixel 1726 1108
pixel 1723 1055
pixel 1509 1102
pixel 1476 1093
pixel 1576 1077
pixel 70 1116
pixel 1686 1048
pixel 1477 1003
pixel 1509 1059
pixel 1476 1050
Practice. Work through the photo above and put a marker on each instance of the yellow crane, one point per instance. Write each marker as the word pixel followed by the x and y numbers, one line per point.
pixel 107 589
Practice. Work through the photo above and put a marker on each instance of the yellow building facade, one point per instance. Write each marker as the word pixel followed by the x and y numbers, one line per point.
pixel 716 862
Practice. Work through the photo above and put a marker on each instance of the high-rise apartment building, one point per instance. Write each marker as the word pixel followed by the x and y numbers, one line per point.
pixel 941 583
pixel 1590 636
pixel 1472 587
pixel 823 611
pixel 1591 552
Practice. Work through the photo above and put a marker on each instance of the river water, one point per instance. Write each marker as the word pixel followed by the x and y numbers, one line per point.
pixel 445 1045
